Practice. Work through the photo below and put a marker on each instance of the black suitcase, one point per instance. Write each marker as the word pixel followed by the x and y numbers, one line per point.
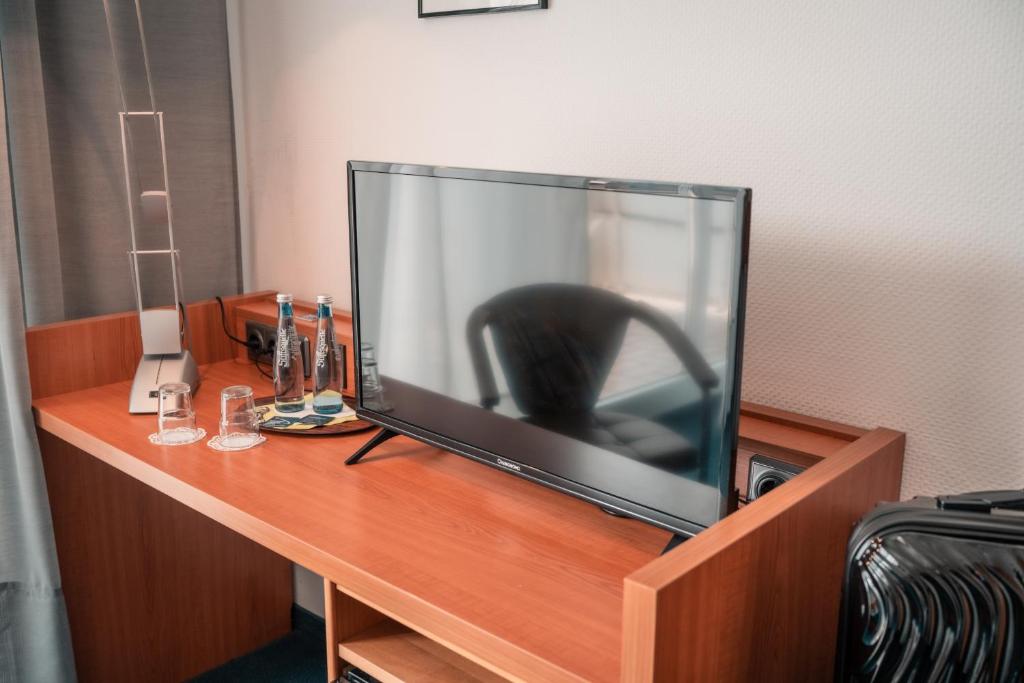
pixel 934 591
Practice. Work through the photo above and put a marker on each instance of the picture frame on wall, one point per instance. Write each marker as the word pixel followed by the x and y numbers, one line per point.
pixel 446 8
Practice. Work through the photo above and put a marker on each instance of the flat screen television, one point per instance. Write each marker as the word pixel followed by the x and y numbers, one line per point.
pixel 584 333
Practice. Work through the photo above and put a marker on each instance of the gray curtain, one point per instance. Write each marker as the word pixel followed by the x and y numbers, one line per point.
pixel 63 103
pixel 64 234
pixel 35 643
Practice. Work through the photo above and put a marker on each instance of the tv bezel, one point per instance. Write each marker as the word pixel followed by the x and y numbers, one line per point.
pixel 615 504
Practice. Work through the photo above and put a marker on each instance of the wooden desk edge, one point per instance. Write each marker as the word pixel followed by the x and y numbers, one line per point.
pixel 865 472
pixel 747 520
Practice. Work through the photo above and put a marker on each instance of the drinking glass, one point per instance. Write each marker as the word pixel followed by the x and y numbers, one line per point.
pixel 372 390
pixel 370 373
pixel 239 423
pixel 175 416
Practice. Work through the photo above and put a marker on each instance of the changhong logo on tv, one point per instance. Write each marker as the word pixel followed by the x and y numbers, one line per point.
pixel 509 465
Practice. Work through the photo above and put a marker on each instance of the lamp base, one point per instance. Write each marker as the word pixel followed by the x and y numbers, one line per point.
pixel 157 369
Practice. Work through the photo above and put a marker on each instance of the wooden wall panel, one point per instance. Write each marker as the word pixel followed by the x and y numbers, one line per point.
pixel 756 596
pixel 155 590
pixel 805 423
pixel 79 354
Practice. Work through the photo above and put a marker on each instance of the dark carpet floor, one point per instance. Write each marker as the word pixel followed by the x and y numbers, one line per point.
pixel 299 657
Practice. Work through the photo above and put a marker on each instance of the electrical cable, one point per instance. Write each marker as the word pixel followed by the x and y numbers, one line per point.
pixel 224 324
pixel 262 371
pixel 252 346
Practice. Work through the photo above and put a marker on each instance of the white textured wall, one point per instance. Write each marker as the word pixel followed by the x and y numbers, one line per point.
pixel 884 142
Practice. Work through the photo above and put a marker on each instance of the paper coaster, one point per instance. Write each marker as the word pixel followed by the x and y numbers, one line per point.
pixel 235 442
pixel 178 437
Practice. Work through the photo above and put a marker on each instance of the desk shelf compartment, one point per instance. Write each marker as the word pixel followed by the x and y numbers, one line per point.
pixel 393 653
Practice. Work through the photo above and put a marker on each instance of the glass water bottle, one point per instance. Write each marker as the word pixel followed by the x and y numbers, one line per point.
pixel 328 371
pixel 289 388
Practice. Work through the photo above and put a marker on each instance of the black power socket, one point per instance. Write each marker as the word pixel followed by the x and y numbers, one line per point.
pixel 262 341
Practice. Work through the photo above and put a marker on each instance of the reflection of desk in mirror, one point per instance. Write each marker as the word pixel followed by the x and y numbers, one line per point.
pixel 175 560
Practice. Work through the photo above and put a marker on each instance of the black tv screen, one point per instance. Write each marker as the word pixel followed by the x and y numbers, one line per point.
pixel 584 333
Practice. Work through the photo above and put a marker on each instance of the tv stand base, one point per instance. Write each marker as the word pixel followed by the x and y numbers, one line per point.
pixel 673 542
pixel 380 437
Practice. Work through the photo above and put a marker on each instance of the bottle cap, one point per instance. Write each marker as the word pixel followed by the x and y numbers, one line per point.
pixel 284 298
pixel 324 299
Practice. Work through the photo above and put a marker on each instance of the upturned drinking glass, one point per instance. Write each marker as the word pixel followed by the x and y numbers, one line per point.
pixel 239 423
pixel 176 418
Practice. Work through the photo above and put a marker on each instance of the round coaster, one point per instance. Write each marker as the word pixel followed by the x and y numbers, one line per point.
pixel 177 437
pixel 235 442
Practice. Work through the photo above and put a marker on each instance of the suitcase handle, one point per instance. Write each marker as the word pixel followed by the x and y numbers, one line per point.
pixel 983 501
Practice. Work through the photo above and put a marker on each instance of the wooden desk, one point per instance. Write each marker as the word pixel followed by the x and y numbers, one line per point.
pixel 496 573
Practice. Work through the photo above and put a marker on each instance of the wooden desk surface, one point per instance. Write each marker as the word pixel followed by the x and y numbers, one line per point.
pixel 493 566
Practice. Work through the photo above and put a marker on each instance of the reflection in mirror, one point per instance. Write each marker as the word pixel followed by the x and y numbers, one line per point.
pixel 557 344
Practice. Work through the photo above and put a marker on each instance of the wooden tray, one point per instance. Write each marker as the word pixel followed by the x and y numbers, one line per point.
pixel 349 427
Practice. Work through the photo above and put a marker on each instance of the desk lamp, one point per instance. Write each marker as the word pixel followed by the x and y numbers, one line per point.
pixel 165 332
